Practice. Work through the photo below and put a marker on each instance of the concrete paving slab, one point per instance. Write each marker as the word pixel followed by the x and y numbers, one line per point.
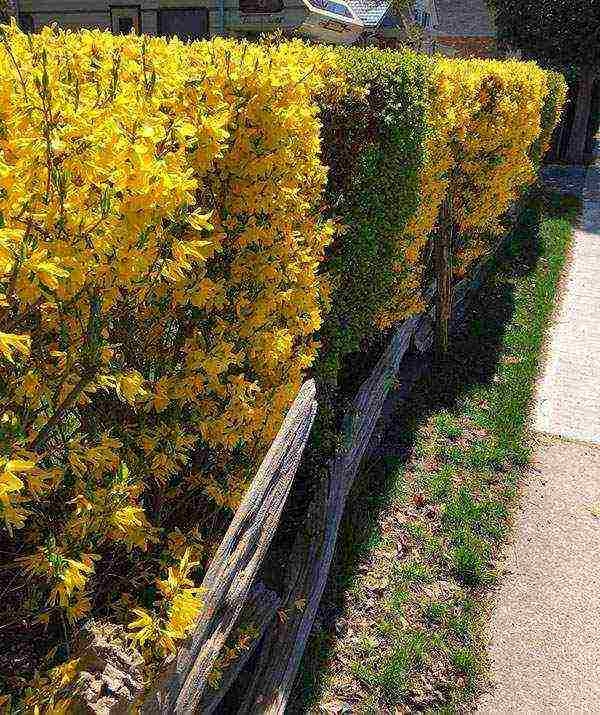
pixel 568 399
pixel 545 628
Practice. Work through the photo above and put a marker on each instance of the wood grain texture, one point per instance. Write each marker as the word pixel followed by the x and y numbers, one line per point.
pixel 259 611
pixel 273 678
pixel 442 254
pixel 233 570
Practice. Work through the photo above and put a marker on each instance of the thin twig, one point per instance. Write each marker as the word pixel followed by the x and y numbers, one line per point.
pixel 44 433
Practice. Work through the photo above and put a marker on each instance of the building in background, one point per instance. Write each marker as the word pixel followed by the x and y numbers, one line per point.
pixel 465 28
pixel 324 20
pixel 453 27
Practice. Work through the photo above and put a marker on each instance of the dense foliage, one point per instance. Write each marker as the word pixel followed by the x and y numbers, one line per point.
pixel 374 144
pixel 557 33
pixel 5 11
pixel 172 250
pixel 560 34
pixel 491 121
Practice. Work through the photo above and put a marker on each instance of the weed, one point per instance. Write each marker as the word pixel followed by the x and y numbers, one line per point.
pixel 436 612
pixel 397 601
pixel 468 558
pixel 465 661
pixel 447 425
pixel 485 517
pixel 453 455
pixel 393 678
pixel 414 571
pixel 439 484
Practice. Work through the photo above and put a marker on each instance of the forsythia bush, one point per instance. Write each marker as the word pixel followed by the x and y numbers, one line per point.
pixel 181 226
pixel 159 252
pixel 486 138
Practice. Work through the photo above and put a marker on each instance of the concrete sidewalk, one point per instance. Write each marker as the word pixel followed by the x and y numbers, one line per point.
pixel 545 629
pixel 568 401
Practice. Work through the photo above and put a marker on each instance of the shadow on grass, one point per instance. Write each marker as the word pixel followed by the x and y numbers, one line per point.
pixel 474 361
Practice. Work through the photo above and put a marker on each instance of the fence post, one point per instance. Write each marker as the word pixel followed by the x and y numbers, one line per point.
pixel 442 252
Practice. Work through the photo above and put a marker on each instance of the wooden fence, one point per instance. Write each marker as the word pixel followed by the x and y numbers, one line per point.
pixel 234 594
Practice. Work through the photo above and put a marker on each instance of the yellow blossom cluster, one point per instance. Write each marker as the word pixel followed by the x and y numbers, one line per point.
pixel 181 603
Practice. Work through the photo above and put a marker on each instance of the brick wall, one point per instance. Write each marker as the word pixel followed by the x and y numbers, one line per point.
pixel 465 18
pixel 389 42
pixel 469 46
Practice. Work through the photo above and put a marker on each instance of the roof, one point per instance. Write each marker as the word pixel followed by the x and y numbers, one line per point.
pixel 464 18
pixel 379 13
pixel 371 12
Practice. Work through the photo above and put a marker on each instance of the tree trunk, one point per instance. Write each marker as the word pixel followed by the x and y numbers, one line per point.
pixel 443 275
pixel 576 150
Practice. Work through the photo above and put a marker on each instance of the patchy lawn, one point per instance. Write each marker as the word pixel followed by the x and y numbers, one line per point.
pixel 402 624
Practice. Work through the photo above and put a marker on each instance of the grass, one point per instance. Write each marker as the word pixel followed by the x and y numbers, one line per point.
pixel 430 520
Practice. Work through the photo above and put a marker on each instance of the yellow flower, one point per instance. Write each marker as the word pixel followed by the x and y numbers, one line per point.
pixel 10 343
pixel 200 221
pixel 130 387
pixel 145 627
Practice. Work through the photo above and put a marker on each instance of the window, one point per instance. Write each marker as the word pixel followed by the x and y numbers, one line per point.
pixel 186 24
pixel 125 19
pixel 335 8
pixel 26 22
pixel 422 13
pixel 261 6
pixel 390 21
pixel 125 25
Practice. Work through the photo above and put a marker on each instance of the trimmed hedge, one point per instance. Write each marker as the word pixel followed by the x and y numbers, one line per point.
pixel 374 143
pixel 180 227
pixel 413 131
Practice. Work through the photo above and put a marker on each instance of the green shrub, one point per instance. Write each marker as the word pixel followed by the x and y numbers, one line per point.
pixel 374 144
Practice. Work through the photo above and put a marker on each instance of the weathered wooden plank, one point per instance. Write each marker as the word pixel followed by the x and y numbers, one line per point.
pixel 259 611
pixel 269 685
pixel 233 569
pixel 442 253
pixel 272 681
pixel 424 333
pixel 369 401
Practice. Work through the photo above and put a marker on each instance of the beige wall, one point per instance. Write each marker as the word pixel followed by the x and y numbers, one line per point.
pixel 73 21
pixel 96 14
pixel 75 14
